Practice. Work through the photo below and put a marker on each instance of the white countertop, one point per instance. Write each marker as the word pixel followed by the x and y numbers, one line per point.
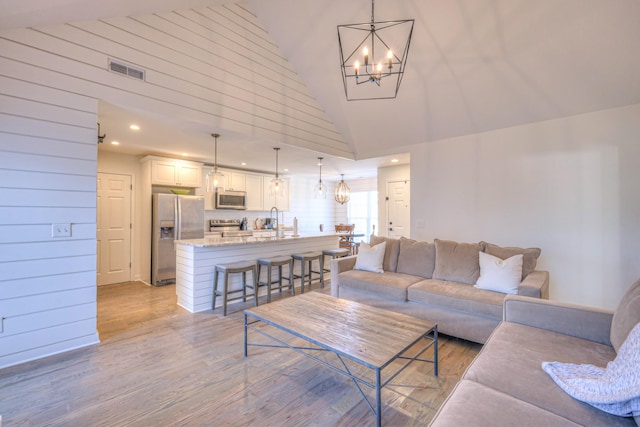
pixel 248 240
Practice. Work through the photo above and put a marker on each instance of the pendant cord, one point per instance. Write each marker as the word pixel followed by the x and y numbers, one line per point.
pixel 215 152
pixel 372 5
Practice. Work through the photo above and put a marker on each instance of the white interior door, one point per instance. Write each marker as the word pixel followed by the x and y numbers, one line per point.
pixel 398 207
pixel 114 228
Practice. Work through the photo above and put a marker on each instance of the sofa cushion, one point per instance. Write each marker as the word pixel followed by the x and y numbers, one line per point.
pixel 390 262
pixel 510 362
pixel 370 257
pixel 500 275
pixel 473 404
pixel 529 255
pixel 389 285
pixel 458 297
pixel 626 316
pixel 416 258
pixel 457 262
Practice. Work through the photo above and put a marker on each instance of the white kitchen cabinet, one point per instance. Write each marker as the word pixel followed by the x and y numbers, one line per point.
pixel 255 196
pixel 176 173
pixel 235 181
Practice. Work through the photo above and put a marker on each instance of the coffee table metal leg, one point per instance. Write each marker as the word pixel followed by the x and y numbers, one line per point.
pixel 378 399
pixel 435 351
pixel 245 334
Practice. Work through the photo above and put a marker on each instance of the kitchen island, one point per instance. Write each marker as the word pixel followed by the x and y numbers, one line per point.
pixel 196 260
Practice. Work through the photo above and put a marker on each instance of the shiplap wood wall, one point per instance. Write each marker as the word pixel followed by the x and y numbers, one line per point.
pixel 216 66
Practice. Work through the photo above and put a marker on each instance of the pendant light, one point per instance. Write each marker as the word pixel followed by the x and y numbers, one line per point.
pixel 373 57
pixel 215 178
pixel 343 192
pixel 276 187
pixel 320 190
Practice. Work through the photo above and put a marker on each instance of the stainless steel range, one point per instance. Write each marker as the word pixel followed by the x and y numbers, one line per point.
pixel 227 228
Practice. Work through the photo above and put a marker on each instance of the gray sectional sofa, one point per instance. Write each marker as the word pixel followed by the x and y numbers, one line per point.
pixel 434 281
pixel 506 385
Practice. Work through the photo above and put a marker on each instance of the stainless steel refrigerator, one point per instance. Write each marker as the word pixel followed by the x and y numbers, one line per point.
pixel 174 218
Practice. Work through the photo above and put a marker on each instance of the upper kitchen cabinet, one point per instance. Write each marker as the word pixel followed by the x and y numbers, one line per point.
pixel 255 196
pixel 175 173
pixel 236 181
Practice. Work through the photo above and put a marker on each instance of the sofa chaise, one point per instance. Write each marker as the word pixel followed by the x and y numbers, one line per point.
pixel 506 385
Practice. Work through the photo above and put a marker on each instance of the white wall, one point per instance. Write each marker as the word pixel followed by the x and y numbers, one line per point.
pixel 47 176
pixel 50 84
pixel 567 186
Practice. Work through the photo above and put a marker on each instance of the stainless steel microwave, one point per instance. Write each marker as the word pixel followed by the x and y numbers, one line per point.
pixel 231 200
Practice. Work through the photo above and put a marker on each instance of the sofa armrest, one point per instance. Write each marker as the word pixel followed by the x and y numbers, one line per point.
pixel 589 323
pixel 338 265
pixel 535 285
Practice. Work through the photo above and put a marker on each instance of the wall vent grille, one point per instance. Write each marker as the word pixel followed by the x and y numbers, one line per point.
pixel 126 70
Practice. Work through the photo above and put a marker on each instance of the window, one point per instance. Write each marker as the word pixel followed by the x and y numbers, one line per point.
pixel 363 212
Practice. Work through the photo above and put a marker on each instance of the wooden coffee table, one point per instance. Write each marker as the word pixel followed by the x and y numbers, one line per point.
pixel 366 335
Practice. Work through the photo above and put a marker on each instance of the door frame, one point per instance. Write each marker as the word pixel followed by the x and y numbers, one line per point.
pixel 386 198
pixel 132 229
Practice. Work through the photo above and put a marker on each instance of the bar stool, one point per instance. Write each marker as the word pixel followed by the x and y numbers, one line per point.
pixel 333 253
pixel 308 258
pixel 269 263
pixel 231 268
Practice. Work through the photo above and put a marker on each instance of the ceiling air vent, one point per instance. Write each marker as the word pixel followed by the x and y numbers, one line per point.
pixel 126 70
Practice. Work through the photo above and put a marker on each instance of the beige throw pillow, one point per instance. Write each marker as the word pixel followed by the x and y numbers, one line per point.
pixel 390 262
pixel 457 262
pixel 416 258
pixel 500 275
pixel 370 257
pixel 529 255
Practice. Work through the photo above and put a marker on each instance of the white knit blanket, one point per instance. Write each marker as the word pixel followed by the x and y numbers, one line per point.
pixel 614 389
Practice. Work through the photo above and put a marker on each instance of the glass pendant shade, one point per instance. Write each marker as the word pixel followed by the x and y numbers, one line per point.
pixel 215 181
pixel 276 186
pixel 320 190
pixel 215 178
pixel 343 192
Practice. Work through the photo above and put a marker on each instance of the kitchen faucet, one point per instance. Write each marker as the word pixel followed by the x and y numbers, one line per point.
pixel 275 224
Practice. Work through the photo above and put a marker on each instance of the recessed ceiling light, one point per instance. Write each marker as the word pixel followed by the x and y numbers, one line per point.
pixel 243 164
pixel 134 127
pixel 286 170
pixel 115 143
pixel 185 154
pixel 394 160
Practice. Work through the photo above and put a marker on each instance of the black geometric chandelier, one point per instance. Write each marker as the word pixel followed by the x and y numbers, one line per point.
pixel 373 57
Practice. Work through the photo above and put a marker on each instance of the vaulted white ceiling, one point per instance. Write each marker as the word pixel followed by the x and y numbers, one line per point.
pixel 474 65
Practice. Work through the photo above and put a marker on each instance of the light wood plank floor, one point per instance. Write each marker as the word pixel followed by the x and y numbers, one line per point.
pixel 158 365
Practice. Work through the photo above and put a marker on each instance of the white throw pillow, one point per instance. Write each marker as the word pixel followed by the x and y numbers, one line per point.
pixel 500 275
pixel 370 257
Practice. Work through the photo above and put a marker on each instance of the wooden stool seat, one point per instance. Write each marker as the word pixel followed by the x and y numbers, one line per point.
pixel 269 263
pixel 333 253
pixel 231 268
pixel 306 259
